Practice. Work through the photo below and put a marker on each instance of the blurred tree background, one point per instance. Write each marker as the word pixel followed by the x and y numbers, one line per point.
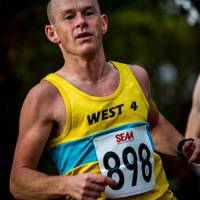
pixel 163 36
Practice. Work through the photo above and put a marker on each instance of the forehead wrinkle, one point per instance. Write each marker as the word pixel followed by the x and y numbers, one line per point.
pixel 83 4
pixel 80 4
pixel 58 8
pixel 55 10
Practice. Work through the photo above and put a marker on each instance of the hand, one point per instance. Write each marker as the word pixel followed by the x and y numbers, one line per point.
pixel 191 150
pixel 88 186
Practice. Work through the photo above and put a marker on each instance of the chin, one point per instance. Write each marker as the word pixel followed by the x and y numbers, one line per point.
pixel 88 51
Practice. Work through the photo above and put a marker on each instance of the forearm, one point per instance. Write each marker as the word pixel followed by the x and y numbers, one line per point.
pixel 165 137
pixel 29 184
pixel 193 126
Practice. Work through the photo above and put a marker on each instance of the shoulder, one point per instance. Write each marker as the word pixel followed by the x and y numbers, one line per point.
pixel 139 72
pixel 42 91
pixel 41 98
pixel 142 77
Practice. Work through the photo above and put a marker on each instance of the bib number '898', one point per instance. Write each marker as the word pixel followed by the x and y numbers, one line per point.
pixel 133 166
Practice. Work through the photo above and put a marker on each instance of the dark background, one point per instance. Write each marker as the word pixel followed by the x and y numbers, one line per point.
pixel 153 34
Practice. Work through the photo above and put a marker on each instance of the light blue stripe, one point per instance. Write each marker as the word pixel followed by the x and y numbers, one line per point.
pixel 72 154
pixel 78 152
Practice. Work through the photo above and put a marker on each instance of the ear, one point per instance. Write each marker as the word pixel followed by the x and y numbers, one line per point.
pixel 51 34
pixel 104 20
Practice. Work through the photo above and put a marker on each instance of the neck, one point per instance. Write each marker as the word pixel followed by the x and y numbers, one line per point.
pixel 87 69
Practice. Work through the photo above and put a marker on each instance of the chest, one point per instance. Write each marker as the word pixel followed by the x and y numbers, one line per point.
pixel 101 88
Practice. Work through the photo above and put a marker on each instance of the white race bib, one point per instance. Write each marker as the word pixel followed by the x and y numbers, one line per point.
pixel 127 157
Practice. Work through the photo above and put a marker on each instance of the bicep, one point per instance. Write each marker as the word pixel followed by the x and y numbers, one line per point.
pixel 153 115
pixel 144 82
pixel 34 129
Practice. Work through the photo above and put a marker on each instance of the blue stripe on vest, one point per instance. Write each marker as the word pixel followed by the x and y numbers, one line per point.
pixel 70 155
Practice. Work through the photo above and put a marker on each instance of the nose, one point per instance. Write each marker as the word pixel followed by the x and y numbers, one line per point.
pixel 81 21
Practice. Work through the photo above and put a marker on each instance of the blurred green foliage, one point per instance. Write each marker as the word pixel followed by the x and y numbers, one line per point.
pixel 143 33
pixel 140 32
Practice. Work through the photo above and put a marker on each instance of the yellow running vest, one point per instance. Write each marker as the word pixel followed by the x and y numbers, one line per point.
pixel 88 116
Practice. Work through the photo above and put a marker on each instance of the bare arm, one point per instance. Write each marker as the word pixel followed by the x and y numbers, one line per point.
pixel 193 125
pixel 34 129
pixel 36 121
pixel 165 136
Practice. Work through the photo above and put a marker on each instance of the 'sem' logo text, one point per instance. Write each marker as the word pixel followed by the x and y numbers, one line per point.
pixel 124 137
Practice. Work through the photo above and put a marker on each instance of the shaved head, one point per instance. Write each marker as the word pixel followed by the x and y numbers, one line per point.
pixel 51 8
pixel 49 14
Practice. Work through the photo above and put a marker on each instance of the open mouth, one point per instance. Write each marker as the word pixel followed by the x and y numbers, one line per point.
pixel 84 35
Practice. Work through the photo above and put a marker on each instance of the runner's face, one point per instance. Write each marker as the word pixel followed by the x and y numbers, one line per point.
pixel 79 25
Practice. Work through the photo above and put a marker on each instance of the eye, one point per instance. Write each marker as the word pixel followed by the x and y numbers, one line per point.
pixel 69 17
pixel 89 12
